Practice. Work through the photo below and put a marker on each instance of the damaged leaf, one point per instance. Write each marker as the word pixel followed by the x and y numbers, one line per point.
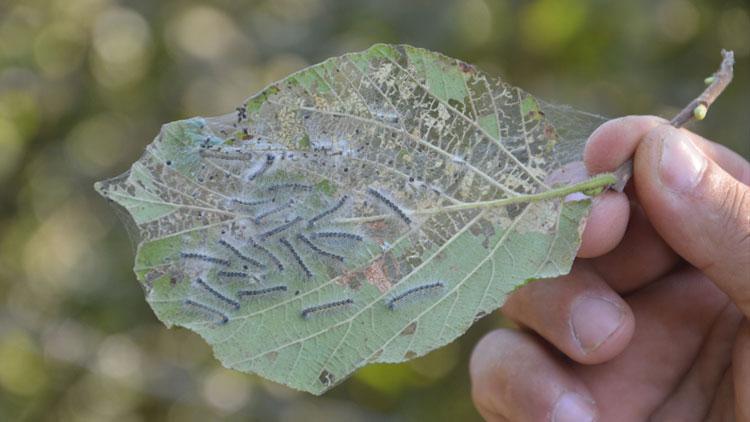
pixel 365 209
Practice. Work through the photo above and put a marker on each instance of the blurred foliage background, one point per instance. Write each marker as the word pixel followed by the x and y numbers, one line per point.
pixel 85 85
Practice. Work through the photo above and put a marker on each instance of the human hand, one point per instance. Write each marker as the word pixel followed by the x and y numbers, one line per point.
pixel 652 321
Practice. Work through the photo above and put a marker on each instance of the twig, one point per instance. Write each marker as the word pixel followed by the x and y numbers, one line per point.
pixel 698 107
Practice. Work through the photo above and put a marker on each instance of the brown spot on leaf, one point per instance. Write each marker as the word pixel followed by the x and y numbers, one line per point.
pixel 410 355
pixel 326 378
pixel 410 329
pixel 483 228
pixel 376 355
pixel 549 132
pixel 151 276
pixel 479 316
pixel 350 280
pixel 377 226
pixel 393 267
pixel 534 115
pixel 466 68
pixel 376 276
pixel 271 356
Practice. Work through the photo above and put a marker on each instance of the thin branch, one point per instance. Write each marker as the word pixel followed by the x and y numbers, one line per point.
pixel 698 107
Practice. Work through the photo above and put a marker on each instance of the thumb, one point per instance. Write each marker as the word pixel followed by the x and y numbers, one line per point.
pixel 699 209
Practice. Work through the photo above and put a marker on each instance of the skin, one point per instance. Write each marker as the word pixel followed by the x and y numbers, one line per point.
pixel 652 322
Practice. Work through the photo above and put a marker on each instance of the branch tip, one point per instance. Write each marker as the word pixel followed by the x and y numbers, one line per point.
pixel 717 82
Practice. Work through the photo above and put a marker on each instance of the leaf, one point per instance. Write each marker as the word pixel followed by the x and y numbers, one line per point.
pixel 366 209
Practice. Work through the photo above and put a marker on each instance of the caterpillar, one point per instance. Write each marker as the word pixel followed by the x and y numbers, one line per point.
pixel 296 256
pixel 290 186
pixel 240 255
pixel 273 257
pixel 324 307
pixel 229 301
pixel 202 257
pixel 315 248
pixel 222 155
pixel 390 204
pixel 209 309
pixel 259 292
pixel 393 302
pixel 334 235
pixel 264 214
pixel 279 229
pixel 270 158
pixel 232 274
pixel 328 212
pixel 250 203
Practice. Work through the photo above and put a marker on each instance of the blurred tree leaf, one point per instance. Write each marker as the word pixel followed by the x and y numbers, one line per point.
pixel 366 209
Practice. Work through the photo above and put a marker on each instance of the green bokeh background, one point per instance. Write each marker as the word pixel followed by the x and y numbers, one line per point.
pixel 86 84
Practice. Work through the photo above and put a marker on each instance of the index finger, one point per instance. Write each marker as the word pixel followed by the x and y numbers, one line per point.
pixel 608 147
pixel 614 142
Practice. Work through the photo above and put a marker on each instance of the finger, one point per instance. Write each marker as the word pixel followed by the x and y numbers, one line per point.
pixel 741 373
pixel 605 224
pixel 578 313
pixel 697 389
pixel 674 316
pixel 727 159
pixel 514 376
pixel 640 258
pixel 610 145
pixel 723 406
pixel 699 209
pixel 615 141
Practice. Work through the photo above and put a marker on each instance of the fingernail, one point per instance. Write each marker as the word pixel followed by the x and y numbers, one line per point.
pixel 681 163
pixel 571 407
pixel 593 321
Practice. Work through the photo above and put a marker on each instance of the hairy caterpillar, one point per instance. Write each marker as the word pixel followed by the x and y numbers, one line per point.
pixel 393 302
pixel 324 307
pixel 390 204
pixel 229 301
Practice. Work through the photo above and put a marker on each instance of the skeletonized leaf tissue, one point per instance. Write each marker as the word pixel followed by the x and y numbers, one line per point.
pixel 366 209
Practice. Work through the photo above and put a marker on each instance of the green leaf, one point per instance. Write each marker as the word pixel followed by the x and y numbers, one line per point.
pixel 366 209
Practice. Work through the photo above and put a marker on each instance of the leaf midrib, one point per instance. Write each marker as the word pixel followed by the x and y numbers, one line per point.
pixel 596 182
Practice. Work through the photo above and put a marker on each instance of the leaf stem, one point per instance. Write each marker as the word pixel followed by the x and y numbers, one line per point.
pixel 593 186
